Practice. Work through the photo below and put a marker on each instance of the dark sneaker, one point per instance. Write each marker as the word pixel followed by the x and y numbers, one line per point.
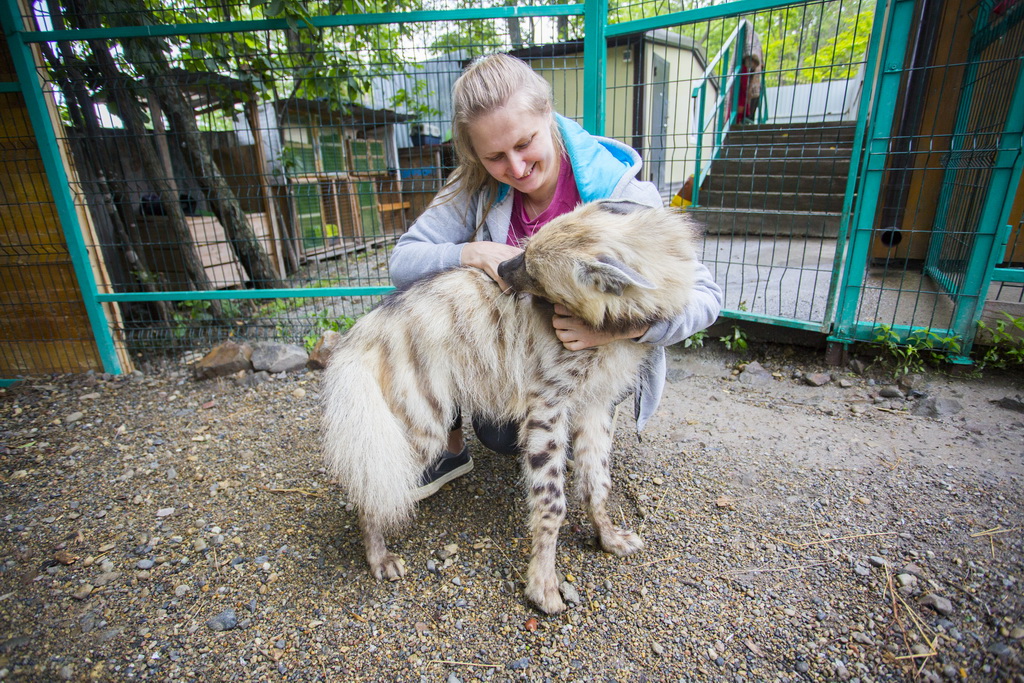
pixel 448 468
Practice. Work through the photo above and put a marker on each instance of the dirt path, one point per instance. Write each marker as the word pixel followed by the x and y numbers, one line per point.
pixel 158 528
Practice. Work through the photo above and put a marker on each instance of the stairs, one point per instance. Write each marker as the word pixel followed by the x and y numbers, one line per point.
pixel 778 180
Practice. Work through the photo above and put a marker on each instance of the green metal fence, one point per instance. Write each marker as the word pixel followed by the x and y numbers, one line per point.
pixel 242 174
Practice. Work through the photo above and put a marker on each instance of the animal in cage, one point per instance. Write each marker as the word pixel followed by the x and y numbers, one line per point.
pixel 395 382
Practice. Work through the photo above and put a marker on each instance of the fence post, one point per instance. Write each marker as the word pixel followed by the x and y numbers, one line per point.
pixel 595 56
pixel 890 70
pixel 42 125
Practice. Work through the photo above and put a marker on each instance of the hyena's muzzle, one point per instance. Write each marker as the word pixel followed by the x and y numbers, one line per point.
pixel 513 272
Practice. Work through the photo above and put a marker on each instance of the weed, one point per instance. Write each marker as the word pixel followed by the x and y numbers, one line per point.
pixel 921 348
pixel 695 341
pixel 1005 348
pixel 736 340
pixel 322 322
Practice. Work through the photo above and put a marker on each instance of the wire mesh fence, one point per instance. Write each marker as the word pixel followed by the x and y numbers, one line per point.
pixel 227 158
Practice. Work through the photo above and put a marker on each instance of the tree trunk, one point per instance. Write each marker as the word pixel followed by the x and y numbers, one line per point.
pixel 128 109
pixel 83 116
pixel 222 200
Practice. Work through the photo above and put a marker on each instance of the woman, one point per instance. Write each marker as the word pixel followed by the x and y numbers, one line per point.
pixel 520 165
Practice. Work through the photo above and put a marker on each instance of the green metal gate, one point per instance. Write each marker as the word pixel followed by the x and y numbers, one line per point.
pixel 793 192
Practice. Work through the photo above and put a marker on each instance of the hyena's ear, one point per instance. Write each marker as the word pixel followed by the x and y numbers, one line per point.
pixel 611 276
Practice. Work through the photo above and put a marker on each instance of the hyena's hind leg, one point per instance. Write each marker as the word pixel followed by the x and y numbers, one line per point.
pixel 384 564
pixel 592 447
pixel 426 444
pixel 543 443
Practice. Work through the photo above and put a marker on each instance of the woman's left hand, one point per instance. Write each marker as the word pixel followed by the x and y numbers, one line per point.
pixel 576 335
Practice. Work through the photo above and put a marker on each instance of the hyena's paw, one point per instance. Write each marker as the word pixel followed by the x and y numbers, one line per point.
pixel 544 594
pixel 389 567
pixel 620 542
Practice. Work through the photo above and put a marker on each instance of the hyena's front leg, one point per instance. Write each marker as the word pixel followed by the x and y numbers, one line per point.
pixel 384 564
pixel 544 442
pixel 592 447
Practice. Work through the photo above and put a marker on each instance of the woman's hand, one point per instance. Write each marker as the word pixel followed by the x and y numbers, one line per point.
pixel 576 335
pixel 487 256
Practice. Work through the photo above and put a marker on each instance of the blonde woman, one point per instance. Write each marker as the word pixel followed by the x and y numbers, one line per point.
pixel 519 165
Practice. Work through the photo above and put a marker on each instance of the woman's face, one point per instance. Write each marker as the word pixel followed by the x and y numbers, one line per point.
pixel 514 144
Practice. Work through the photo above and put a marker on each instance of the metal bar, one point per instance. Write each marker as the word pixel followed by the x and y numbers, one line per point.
pixel 595 48
pixel 792 323
pixel 993 227
pixel 898 25
pixel 425 16
pixel 853 175
pixel 1008 275
pixel 46 138
pixel 690 16
pixel 183 295
pixel 698 174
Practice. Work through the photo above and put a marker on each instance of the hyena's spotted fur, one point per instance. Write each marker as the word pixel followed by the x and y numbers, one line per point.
pixel 393 385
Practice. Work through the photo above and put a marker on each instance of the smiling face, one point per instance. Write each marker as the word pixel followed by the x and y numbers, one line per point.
pixel 514 145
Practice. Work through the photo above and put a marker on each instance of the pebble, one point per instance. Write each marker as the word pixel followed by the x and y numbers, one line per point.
pixel 144 564
pixel 938 603
pixel 225 621
pixel 569 593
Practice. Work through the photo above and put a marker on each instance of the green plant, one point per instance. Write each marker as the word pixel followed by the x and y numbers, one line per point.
pixel 322 322
pixel 736 340
pixel 920 348
pixel 695 341
pixel 1005 347
pixel 188 314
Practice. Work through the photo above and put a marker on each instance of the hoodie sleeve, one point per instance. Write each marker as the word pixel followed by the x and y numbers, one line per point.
pixel 433 242
pixel 702 311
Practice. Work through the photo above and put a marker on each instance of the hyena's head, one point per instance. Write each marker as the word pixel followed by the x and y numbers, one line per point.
pixel 615 265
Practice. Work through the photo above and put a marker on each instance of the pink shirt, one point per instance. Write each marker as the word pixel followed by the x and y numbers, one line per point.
pixel 566 198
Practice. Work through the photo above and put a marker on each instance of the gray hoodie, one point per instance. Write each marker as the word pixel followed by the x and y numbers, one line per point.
pixel 604 169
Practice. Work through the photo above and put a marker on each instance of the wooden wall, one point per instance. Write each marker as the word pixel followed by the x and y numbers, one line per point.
pixel 43 323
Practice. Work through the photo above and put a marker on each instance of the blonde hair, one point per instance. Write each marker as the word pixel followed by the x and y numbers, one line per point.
pixel 487 84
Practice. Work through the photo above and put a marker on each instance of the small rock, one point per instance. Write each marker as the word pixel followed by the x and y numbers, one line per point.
pixel 938 603
pixel 754 373
pixel 519 664
pixel 182 590
pixel 657 648
pixel 320 354
pixel 274 358
pixel 569 592
pixel 817 379
pixel 936 408
pixel 1015 403
pixel 225 621
pixel 74 417
pixel 299 393
pixel 144 564
pixel 165 512
pixel 891 392
pixel 84 591
pixel 225 359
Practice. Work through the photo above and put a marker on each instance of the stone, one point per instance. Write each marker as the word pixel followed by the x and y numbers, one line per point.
pixel 938 603
pixel 225 359
pixel 1015 403
pixel 274 358
pixel 321 352
pixel 817 379
pixel 754 373
pixel 225 621
pixel 936 407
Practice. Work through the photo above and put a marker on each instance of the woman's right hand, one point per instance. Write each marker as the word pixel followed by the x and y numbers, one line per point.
pixel 487 256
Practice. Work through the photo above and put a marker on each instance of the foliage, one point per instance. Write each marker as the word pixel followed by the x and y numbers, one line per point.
pixel 323 321
pixel 921 348
pixel 695 341
pixel 736 340
pixel 1004 347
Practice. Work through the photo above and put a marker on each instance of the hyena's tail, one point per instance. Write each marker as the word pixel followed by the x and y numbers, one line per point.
pixel 365 446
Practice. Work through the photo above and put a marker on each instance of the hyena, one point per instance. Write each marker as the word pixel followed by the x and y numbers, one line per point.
pixel 395 382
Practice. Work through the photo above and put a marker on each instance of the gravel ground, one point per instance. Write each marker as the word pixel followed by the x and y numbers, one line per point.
pixel 160 528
